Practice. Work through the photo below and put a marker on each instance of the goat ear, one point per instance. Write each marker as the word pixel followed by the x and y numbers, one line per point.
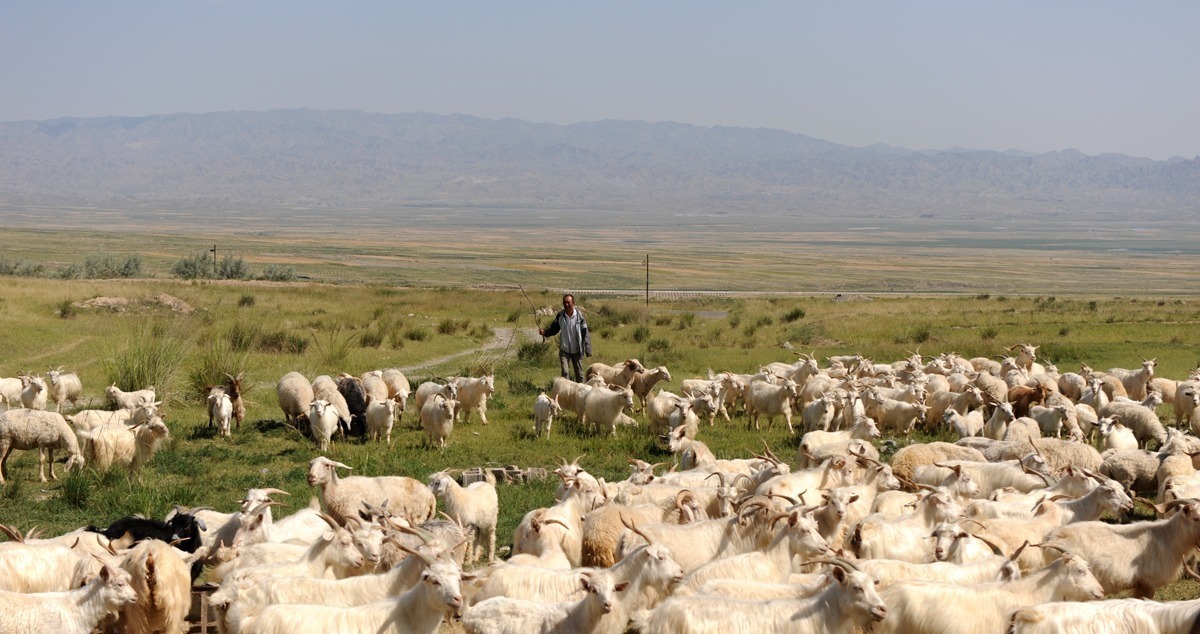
pixel 105 572
pixel 583 580
pixel 620 587
pixel 839 573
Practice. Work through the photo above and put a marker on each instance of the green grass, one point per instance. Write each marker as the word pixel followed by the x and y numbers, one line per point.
pixel 181 352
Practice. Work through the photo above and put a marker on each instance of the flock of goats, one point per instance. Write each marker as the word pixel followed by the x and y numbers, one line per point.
pixel 998 532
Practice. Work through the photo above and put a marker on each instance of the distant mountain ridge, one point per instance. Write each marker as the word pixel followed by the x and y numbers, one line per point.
pixel 356 160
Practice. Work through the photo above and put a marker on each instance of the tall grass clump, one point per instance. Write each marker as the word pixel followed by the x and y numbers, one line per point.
pixel 334 349
pixel 535 352
pixel 793 315
pixel 211 363
pixel 152 356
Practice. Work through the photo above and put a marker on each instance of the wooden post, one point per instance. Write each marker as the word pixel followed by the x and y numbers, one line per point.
pixel 214 252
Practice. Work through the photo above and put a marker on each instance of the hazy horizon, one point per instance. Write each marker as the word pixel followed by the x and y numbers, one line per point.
pixel 1099 77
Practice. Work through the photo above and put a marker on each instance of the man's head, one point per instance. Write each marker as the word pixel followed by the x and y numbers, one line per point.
pixel 569 303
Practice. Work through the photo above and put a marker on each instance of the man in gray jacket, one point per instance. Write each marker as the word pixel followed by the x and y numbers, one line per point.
pixel 574 343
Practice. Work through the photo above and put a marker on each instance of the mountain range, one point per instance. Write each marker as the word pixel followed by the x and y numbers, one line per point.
pixel 350 160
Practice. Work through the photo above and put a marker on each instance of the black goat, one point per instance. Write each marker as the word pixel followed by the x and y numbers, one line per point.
pixel 182 528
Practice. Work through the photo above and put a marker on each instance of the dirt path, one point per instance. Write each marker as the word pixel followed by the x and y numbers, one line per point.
pixel 503 345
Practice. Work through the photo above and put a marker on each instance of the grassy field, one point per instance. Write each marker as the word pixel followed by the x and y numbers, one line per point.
pixel 268 329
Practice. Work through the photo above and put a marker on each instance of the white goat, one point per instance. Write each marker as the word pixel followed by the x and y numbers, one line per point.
pixel 36 429
pixel 502 615
pixel 472 396
pixel 475 506
pixel 602 406
pixel 544 411
pixel 129 400
pixel 322 422
pixel 437 419
pixel 78 611
pixel 220 408
pixel 343 497
pixel 64 387
pixel 1113 616
pixel 381 415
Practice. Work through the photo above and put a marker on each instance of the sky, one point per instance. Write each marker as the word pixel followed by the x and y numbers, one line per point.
pixel 1097 76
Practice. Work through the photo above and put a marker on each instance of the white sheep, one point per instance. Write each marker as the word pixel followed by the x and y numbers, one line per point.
pixel 78 611
pixel 544 411
pixel 343 497
pixel 295 395
pixel 163 583
pixel 475 506
pixel 374 385
pixel 64 387
pixel 437 419
pixel 130 400
pixel 35 393
pixel 35 429
pixel 472 396
pixel 322 422
pixel 1136 416
pixel 325 388
pixel 220 408
pixel 381 415
pixel 502 615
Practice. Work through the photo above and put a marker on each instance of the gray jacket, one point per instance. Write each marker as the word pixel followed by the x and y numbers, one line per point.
pixel 560 321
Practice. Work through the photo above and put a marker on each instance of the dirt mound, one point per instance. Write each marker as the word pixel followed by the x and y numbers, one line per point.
pixel 122 304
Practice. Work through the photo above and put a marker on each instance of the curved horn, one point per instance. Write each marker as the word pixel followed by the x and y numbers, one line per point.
pixel 979 524
pixel 633 527
pixel 273 491
pixel 737 478
pixel 1052 547
pixel 1018 551
pixel 720 477
pixel 423 557
pixel 329 520
pixel 555 520
pixel 1036 473
pixel 991 544
pixel 683 494
pixel 11 533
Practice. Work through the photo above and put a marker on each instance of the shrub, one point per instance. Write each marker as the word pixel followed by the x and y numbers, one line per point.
pixel 662 320
pixel 988 333
pixel 371 338
pixel 66 309
pixel 334 350
pixel 658 344
pixel 277 273
pixel 210 365
pixel 243 336
pixel 687 320
pixel 70 272
pixel 451 326
pixel 1064 331
pixel 765 320
pixel 196 267
pixel 416 333
pixel 641 334
pixel 793 315
pixel 734 320
pixel 151 357
pixel 281 341
pixel 535 352
pixel 245 301
pixel 105 266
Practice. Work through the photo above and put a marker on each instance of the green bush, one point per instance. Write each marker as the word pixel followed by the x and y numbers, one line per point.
pixel 202 267
pixel 658 344
pixel 151 357
pixel 535 352
pixel 281 341
pixel 793 315
pixel 988 333
pixel 687 320
pixel 66 309
pixel 416 333
pixel 243 336
pixel 641 334
pixel 245 301
pixel 333 351
pixel 211 363
pixel 277 273
pixel 105 266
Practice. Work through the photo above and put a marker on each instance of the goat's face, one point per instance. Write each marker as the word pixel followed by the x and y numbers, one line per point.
pixel 117 588
pixel 445 577
pixel 1078 583
pixel 858 591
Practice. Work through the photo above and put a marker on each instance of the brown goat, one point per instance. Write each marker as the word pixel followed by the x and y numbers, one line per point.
pixel 1023 397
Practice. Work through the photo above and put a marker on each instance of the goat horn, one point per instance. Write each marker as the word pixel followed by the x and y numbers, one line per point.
pixel 423 557
pixel 991 544
pixel 271 491
pixel 738 477
pixel 555 520
pixel 452 520
pixel 1052 547
pixel 631 525
pixel 720 477
pixel 329 520
pixel 11 533
pixel 1018 551
pixel 683 494
pixel 980 524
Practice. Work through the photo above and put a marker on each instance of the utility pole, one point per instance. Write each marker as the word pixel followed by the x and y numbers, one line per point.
pixel 647 280
pixel 214 252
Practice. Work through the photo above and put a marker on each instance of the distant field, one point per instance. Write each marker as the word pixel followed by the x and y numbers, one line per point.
pixel 606 249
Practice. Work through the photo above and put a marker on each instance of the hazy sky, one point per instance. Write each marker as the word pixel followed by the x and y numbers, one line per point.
pixel 1098 76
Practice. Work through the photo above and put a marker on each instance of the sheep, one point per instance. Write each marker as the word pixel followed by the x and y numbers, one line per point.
pixel 161 580
pixel 910 457
pixel 342 497
pixel 35 393
pixel 78 611
pixel 295 396
pixel 220 407
pixel 1113 616
pixel 643 382
pixel 472 396
pixel 129 400
pixel 437 419
pixel 544 411
pixel 849 603
pixel 770 400
pixel 1141 557
pixel 1058 454
pixel 603 527
pixel 129 447
pixel 420 610
pixel 723 387
pixel 322 422
pixel 1023 429
pixel 381 415
pixel 1135 381
pixel 922 606
pixel 351 388
pixel 64 387
pixel 621 375
pixel 10 391
pixel 474 506
pixel 374 385
pixel 993 567
pixel 664 406
pixel 36 429
pixel 1135 469
pixel 1141 419
pixel 601 407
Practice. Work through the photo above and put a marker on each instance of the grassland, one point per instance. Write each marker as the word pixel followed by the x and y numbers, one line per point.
pixel 268 329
